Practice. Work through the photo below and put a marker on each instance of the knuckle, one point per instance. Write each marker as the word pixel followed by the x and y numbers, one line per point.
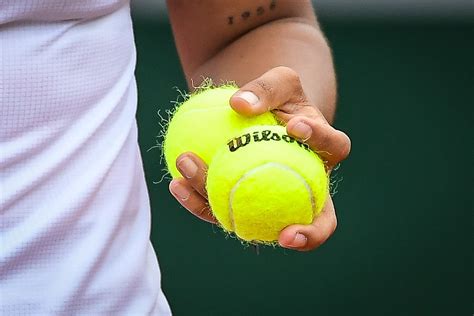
pixel 292 78
pixel 288 73
pixel 263 86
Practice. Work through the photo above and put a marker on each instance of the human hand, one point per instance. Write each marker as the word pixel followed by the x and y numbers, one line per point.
pixel 279 90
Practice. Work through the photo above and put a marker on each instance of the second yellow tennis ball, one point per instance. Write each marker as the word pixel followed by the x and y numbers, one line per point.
pixel 264 180
pixel 205 122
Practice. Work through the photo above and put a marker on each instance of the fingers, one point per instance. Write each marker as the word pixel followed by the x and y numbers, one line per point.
pixel 331 144
pixel 190 199
pixel 309 237
pixel 191 194
pixel 280 90
pixel 274 88
pixel 193 169
pixel 190 191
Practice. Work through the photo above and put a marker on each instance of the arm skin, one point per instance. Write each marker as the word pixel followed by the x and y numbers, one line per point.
pixel 275 51
pixel 287 35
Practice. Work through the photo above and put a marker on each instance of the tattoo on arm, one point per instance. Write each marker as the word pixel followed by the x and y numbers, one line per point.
pixel 272 4
pixel 246 15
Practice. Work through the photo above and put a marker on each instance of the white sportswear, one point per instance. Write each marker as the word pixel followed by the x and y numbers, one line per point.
pixel 74 207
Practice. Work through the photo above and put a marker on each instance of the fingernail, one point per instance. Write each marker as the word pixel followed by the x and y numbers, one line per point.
pixel 187 167
pixel 248 96
pixel 302 131
pixel 299 241
pixel 180 191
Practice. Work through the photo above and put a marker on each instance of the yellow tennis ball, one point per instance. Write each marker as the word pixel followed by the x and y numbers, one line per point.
pixel 205 122
pixel 264 180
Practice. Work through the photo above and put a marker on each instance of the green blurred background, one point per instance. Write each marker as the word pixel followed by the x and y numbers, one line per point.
pixel 404 241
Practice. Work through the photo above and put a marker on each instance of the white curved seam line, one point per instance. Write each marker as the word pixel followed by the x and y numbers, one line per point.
pixel 255 170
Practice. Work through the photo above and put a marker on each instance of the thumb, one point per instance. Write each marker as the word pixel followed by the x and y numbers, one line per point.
pixel 273 89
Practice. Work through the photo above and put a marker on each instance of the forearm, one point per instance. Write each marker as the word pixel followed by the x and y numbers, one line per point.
pixel 240 40
pixel 287 42
pixel 245 41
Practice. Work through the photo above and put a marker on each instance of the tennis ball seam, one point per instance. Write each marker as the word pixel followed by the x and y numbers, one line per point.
pixel 259 168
